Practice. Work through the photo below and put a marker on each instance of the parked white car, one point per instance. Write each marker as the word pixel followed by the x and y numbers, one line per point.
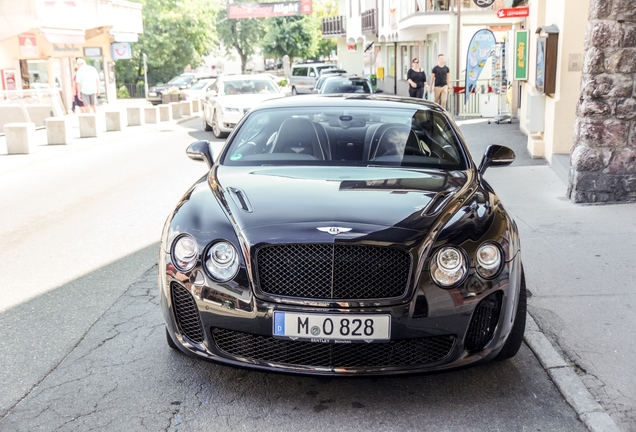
pixel 231 97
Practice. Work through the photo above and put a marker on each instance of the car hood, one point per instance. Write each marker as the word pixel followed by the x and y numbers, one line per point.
pixel 245 100
pixel 332 196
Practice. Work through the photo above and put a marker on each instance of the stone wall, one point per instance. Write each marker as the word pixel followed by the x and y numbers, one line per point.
pixel 603 158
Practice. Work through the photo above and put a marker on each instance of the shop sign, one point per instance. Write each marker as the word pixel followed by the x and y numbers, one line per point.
pixel 521 55
pixel 8 79
pixel 483 3
pixel 120 51
pixel 515 12
pixel 352 47
pixel 66 50
pixel 92 52
pixel 28 45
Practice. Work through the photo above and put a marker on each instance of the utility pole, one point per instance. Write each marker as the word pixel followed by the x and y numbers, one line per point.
pixel 458 9
pixel 145 58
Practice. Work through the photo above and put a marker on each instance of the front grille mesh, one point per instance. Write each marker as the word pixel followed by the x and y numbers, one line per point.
pixel 186 313
pixel 397 353
pixel 483 323
pixel 333 271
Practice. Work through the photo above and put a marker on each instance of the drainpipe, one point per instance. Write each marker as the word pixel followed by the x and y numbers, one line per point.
pixel 395 78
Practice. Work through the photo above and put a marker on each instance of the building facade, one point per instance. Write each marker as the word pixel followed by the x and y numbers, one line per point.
pixel 40 41
pixel 382 37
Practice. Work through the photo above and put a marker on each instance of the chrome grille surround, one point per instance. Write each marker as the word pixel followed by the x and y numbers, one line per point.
pixel 333 271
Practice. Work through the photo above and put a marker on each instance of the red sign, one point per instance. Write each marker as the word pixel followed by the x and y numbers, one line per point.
pixel 513 12
pixel 266 10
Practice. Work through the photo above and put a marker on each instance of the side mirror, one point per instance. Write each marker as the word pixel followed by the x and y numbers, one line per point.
pixel 200 151
pixel 496 155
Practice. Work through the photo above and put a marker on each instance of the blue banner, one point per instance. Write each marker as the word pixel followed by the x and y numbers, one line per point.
pixel 479 50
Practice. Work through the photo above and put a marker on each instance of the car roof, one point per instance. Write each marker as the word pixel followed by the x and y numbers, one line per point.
pixel 245 77
pixel 354 100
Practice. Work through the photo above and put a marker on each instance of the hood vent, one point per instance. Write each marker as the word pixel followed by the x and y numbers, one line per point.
pixel 240 199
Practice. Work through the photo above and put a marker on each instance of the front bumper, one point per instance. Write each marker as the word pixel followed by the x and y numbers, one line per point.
pixel 435 329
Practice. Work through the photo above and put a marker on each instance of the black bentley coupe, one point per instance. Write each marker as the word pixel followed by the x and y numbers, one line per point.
pixel 342 235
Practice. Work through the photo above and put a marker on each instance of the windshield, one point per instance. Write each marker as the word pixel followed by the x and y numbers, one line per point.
pixel 338 85
pixel 345 136
pixel 180 80
pixel 200 84
pixel 247 86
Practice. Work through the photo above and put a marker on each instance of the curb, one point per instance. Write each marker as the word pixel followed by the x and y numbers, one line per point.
pixel 589 411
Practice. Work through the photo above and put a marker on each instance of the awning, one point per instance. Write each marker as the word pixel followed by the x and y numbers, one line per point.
pixel 64 36
pixel 125 37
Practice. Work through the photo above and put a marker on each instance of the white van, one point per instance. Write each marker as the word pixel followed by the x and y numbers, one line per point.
pixel 304 76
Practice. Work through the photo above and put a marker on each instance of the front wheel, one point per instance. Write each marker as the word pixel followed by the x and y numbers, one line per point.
pixel 294 91
pixel 206 125
pixel 515 338
pixel 216 126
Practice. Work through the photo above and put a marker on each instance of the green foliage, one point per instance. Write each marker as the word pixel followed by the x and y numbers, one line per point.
pixel 282 83
pixel 240 36
pixel 176 34
pixel 122 93
pixel 295 36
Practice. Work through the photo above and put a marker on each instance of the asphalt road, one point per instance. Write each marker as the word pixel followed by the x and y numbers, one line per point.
pixel 82 339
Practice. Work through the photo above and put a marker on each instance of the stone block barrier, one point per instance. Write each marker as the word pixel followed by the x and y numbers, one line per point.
pixel 20 137
pixel 58 130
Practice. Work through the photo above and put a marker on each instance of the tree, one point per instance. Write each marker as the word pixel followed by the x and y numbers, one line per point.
pixel 324 9
pixel 296 36
pixel 238 36
pixel 176 34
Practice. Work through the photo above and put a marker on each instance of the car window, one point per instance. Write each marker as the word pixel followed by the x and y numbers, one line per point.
pixel 300 71
pixel 336 136
pixel 200 84
pixel 248 86
pixel 180 80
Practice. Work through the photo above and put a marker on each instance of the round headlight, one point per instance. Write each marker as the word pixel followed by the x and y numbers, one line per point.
pixel 221 261
pixel 488 260
pixel 448 267
pixel 185 251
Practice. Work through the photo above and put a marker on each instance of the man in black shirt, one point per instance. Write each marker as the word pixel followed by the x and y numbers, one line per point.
pixel 440 79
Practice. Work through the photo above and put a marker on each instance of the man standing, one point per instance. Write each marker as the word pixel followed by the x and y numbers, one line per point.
pixel 440 79
pixel 87 81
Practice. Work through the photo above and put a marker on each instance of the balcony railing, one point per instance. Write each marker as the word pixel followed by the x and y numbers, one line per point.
pixel 334 26
pixel 369 22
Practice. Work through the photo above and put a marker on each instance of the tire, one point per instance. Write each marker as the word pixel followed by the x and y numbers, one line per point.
pixel 216 130
pixel 171 343
pixel 515 338
pixel 294 91
pixel 206 126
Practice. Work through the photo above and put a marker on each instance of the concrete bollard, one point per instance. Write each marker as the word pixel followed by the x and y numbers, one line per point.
pixel 176 110
pixel 151 114
pixel 87 125
pixel 58 130
pixel 115 120
pixel 186 108
pixel 165 112
pixel 196 105
pixel 20 137
pixel 135 116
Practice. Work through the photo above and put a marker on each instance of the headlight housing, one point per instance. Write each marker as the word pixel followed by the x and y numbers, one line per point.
pixel 448 266
pixel 488 260
pixel 221 261
pixel 185 252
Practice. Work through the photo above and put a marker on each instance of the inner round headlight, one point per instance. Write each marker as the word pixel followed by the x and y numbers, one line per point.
pixel 221 261
pixel 448 267
pixel 488 260
pixel 185 251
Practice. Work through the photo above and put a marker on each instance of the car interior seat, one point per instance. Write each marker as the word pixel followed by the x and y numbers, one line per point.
pixel 298 135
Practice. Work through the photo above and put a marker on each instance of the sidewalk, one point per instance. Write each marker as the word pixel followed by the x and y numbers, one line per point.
pixel 580 267
pixel 43 151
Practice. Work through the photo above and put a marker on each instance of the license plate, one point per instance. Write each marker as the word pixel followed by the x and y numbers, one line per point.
pixel 332 327
pixel 152 94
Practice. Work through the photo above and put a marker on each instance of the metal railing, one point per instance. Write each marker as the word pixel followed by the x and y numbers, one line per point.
pixel 30 106
pixel 135 91
pixel 334 26
pixel 368 22
pixel 456 103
